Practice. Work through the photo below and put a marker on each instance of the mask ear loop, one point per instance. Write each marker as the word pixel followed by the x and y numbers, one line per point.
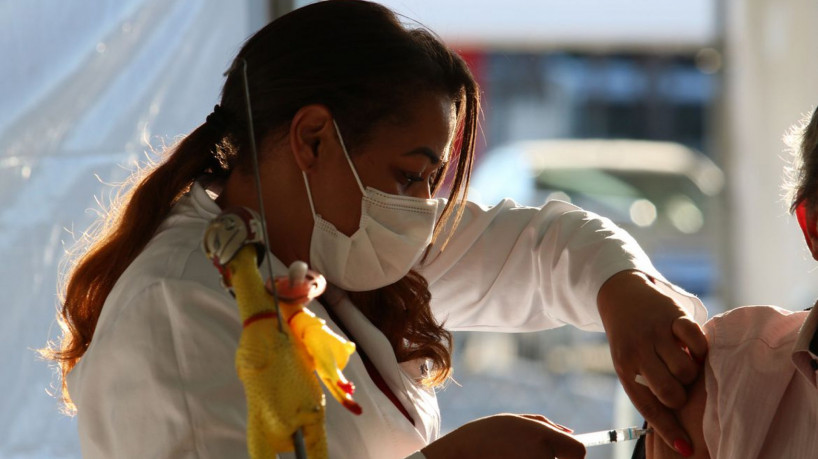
pixel 349 160
pixel 309 194
pixel 351 166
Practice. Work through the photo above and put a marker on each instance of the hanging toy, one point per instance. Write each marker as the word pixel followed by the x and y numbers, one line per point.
pixel 282 345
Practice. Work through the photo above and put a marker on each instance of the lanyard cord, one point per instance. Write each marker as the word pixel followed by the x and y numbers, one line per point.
pixel 298 436
pixel 257 178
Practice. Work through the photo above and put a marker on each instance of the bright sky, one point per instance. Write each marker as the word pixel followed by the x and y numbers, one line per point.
pixel 575 23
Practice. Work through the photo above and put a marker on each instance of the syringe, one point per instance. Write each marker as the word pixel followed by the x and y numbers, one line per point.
pixel 611 436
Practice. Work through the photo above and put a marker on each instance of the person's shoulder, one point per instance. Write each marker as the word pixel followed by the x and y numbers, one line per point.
pixel 771 325
pixel 171 270
pixel 175 251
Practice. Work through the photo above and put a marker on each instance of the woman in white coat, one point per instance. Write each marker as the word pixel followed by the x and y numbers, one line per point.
pixel 360 123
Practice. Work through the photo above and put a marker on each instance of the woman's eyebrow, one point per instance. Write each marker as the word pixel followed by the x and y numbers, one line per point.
pixel 425 151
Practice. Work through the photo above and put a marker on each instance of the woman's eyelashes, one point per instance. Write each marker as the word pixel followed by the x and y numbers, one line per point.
pixel 427 175
pixel 412 177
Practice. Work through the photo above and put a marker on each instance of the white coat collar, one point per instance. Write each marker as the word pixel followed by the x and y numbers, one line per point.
pixel 402 378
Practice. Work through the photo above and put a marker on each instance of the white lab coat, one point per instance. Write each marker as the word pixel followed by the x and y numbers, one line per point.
pixel 158 379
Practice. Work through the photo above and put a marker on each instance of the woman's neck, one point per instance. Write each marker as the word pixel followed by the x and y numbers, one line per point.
pixel 289 220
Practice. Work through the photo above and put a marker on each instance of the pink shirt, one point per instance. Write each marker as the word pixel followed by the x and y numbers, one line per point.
pixel 762 400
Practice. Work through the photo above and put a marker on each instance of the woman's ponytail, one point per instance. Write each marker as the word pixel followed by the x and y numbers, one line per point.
pixel 141 204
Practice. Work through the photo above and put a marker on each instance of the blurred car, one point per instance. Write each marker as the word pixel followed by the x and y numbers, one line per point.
pixel 663 193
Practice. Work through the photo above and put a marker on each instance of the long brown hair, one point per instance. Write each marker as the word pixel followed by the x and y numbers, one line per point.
pixel 352 56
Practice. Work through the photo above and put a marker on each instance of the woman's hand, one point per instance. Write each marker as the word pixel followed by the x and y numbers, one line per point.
pixel 690 416
pixel 651 335
pixel 507 435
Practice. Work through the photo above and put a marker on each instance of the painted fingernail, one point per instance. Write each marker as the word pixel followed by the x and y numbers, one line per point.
pixel 699 360
pixel 683 447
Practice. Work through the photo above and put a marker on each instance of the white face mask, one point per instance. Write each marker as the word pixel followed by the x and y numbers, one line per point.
pixel 392 235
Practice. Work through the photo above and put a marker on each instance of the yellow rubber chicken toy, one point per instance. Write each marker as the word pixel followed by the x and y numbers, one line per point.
pixel 328 351
pixel 281 348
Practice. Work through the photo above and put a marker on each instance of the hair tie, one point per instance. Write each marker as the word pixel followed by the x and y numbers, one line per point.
pixel 217 120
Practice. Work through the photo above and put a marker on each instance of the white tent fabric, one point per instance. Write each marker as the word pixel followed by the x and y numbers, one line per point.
pixel 85 87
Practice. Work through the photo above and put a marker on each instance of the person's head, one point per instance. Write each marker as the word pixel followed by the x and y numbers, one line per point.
pixel 357 61
pixel 354 62
pixel 802 187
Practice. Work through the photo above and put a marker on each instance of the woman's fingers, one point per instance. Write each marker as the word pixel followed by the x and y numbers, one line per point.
pixel 541 418
pixel 560 444
pixel 662 382
pixel 678 364
pixel 683 355
pixel 690 334
pixel 652 336
pixel 507 435
pixel 662 419
pixel 567 447
pixel 663 379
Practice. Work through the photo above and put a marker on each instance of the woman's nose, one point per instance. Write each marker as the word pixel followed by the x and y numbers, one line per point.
pixel 423 191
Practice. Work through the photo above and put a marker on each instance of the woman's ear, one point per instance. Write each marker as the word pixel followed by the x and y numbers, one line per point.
pixel 808 221
pixel 310 130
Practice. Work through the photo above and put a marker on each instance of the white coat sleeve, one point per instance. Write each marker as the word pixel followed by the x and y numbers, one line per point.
pixel 159 380
pixel 513 268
